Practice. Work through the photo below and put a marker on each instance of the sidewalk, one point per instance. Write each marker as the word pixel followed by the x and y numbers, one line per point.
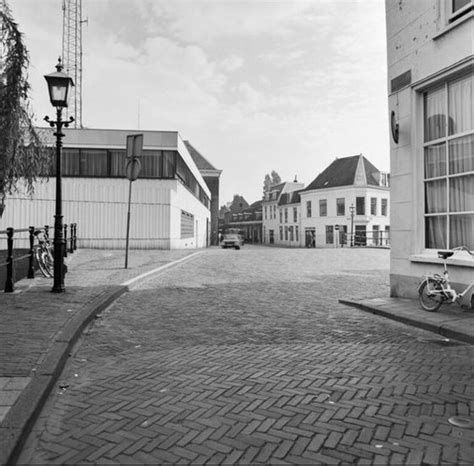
pixel 451 321
pixel 38 328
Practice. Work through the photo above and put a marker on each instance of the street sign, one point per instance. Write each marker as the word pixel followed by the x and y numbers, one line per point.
pixel 134 145
pixel 132 168
pixel 336 227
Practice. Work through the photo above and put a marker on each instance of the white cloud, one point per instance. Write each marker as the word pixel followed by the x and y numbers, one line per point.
pixel 232 63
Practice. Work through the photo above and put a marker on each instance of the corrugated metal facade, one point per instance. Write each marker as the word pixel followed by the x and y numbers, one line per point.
pixel 99 205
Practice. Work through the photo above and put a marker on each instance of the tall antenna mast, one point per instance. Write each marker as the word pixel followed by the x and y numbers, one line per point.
pixel 72 55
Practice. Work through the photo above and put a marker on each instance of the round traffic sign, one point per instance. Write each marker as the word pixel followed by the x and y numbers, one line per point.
pixel 132 168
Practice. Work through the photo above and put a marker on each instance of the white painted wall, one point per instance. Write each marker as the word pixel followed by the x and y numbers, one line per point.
pixel 420 39
pixel 349 194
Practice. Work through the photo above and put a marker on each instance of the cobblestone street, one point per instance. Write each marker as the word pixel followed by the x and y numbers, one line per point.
pixel 247 357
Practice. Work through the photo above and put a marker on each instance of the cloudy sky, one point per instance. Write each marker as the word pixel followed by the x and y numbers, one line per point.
pixel 255 86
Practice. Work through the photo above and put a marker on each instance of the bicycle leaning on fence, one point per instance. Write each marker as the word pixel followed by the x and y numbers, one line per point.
pixel 44 255
pixel 436 289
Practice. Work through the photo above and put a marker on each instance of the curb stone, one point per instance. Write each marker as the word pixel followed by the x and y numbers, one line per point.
pixel 432 322
pixel 23 414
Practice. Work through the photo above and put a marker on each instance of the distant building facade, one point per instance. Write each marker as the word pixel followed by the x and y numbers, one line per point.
pixel 171 201
pixel 239 215
pixel 430 82
pixel 273 209
pixel 347 204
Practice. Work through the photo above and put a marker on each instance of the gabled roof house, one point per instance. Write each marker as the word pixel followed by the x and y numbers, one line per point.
pixel 347 203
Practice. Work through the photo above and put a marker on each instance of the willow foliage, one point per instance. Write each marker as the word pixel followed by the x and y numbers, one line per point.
pixel 22 155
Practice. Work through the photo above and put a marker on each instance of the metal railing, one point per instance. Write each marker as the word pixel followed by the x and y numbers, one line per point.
pixel 12 260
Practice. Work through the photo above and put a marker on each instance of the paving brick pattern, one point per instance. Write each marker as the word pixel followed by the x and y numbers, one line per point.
pixel 239 357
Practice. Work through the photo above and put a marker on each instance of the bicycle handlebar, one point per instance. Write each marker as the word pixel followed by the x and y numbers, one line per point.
pixel 463 248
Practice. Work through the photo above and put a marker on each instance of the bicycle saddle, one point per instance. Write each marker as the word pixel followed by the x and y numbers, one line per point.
pixel 445 254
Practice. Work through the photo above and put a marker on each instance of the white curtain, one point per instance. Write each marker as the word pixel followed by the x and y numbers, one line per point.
pixel 462 231
pixel 461 105
pixel 435 160
pixel 435 114
pixel 436 232
pixel 435 196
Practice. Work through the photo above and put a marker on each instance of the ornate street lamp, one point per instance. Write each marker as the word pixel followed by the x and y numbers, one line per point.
pixel 59 85
pixel 352 210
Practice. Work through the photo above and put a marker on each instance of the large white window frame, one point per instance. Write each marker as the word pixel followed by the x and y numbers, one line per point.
pixel 440 172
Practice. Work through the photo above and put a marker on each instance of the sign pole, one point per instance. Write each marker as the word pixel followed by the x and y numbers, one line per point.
pixel 128 223
pixel 132 169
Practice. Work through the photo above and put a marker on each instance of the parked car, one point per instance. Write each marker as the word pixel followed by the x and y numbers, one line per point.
pixel 232 240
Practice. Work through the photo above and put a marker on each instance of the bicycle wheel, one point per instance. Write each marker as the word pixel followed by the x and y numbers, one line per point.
pixel 429 302
pixel 45 261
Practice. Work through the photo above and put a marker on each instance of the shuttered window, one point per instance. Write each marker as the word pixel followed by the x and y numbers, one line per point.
pixel 187 225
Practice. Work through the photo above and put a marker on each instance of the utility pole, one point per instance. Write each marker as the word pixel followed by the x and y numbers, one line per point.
pixel 72 55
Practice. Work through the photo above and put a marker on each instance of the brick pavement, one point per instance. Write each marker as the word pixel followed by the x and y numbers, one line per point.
pixel 38 327
pixel 240 357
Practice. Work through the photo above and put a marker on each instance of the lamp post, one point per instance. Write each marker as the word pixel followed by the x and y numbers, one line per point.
pixel 59 84
pixel 352 210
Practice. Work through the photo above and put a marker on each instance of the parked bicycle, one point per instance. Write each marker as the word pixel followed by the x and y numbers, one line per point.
pixel 434 290
pixel 43 252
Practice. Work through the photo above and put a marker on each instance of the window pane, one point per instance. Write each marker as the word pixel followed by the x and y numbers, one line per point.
pixel 435 196
pixel 435 114
pixel 70 162
pixel 360 205
pixel 168 164
pixel 322 207
pixel 461 105
pixel 341 206
pixel 435 160
pixel 117 163
pixel 93 162
pixel 373 206
pixel 461 228
pixel 151 164
pixel 458 4
pixel 461 194
pixel 461 155
pixel 436 232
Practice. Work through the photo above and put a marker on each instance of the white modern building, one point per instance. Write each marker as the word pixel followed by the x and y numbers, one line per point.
pixel 431 104
pixel 346 204
pixel 170 204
